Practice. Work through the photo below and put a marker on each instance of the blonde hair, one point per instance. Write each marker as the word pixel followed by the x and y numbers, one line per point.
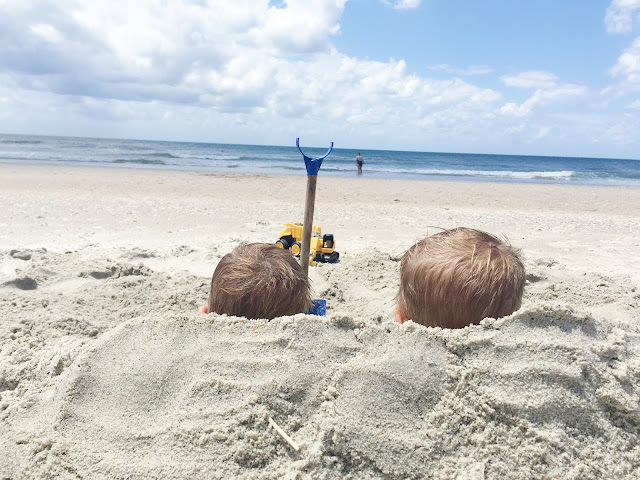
pixel 458 277
pixel 259 280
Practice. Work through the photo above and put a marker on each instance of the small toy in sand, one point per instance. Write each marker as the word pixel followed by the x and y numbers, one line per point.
pixel 321 247
pixel 319 307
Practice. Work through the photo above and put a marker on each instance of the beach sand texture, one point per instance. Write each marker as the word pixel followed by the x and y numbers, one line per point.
pixel 106 371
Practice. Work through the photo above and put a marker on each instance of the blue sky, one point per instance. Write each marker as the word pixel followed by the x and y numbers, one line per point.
pixel 516 77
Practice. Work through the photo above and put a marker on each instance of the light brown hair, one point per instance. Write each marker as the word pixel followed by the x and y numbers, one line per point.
pixel 458 277
pixel 259 280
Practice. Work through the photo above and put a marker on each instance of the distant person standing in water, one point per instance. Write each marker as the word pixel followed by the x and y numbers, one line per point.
pixel 359 162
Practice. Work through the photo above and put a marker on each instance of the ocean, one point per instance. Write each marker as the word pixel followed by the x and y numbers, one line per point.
pixel 260 159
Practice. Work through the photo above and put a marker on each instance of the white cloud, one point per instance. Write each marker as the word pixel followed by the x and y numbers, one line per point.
pixel 549 93
pixel 301 27
pixel 137 50
pixel 619 15
pixel 248 58
pixel 343 89
pixel 403 4
pixel 468 71
pixel 542 132
pixel 634 105
pixel 628 64
pixel 46 32
pixel 530 79
pixel 622 131
pixel 250 71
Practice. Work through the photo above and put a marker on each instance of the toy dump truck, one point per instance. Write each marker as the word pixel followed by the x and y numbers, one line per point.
pixel 322 248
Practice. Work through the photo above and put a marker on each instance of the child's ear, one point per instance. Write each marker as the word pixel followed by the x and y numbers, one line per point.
pixel 401 317
pixel 203 309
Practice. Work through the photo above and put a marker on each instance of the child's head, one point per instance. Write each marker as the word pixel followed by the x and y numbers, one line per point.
pixel 458 277
pixel 259 280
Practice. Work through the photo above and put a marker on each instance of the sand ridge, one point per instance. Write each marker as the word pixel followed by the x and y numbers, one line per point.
pixel 540 393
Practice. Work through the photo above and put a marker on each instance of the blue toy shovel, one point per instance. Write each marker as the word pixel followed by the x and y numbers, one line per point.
pixel 313 166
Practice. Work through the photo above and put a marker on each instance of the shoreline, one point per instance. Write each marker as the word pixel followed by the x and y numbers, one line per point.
pixel 230 171
pixel 508 186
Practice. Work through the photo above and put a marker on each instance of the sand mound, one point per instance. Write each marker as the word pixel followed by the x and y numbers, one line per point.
pixel 542 393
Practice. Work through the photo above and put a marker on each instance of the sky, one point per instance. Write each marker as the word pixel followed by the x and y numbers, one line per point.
pixel 542 77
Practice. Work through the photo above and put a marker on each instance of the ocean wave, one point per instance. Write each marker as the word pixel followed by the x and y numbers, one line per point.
pixel 521 175
pixel 210 157
pixel 282 167
pixel 22 142
pixel 84 145
pixel 163 155
pixel 131 148
pixel 4 157
pixel 142 161
pixel 609 175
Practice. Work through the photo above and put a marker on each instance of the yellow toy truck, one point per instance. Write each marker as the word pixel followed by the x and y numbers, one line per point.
pixel 322 248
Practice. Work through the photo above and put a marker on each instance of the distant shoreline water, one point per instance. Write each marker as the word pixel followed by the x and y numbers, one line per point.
pixel 257 159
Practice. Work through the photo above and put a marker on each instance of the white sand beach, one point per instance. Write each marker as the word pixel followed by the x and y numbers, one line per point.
pixel 107 371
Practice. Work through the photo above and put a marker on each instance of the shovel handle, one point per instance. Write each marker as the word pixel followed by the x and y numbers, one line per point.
pixel 313 167
pixel 308 222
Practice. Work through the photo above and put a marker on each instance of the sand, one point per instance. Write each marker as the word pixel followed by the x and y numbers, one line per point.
pixel 107 371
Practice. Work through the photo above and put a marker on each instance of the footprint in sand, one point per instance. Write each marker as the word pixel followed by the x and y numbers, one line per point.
pixel 117 271
pixel 22 283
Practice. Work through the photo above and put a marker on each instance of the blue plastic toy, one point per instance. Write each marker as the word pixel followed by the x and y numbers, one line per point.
pixel 319 307
pixel 313 164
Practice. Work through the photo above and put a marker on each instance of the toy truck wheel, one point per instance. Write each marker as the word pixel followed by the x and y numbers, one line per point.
pixel 333 257
pixel 296 248
pixel 282 243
